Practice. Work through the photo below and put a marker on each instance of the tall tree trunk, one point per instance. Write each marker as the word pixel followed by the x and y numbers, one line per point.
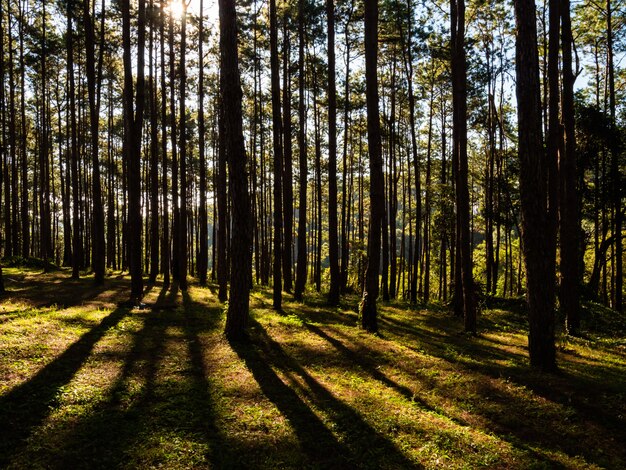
pixel 182 240
pixel 24 138
pixel 133 124
pixel 408 65
pixel 8 230
pixel 76 242
pixel 203 254
pixel 175 263
pixel 222 268
pixel 345 208
pixel 426 289
pixel 43 153
pixel 288 160
pixel 165 242
pixel 333 242
pixel 491 276
pixel 98 246
pixel 277 131
pixel 569 295
pixel 534 192
pixel 459 98
pixel 301 270
pixel 154 155
pixel 393 185
pixel 615 170
pixel 238 307
pixel 367 311
pixel 2 128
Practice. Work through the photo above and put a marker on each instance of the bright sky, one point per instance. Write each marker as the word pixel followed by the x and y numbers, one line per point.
pixel 210 8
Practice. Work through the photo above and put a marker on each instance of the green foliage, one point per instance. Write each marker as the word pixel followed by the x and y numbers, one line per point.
pixel 32 263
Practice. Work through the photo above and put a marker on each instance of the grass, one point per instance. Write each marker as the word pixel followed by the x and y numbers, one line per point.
pixel 87 383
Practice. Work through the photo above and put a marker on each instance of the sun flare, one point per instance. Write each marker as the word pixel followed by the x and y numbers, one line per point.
pixel 177 8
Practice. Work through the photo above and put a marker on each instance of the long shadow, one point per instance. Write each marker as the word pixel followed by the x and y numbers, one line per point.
pixel 58 290
pixel 368 361
pixel 107 435
pixel 132 426
pixel 581 395
pixel 370 368
pixel 27 405
pixel 198 318
pixel 364 447
pixel 166 299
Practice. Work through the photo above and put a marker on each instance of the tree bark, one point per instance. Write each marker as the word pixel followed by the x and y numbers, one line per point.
pixel 182 239
pixel 165 241
pixel 238 308
pixel 367 310
pixel 615 170
pixel 288 161
pixel 203 254
pixel 569 295
pixel 277 132
pixel 459 130
pixel 333 242
pixel 98 246
pixel 133 123
pixel 301 265
pixel 534 192
pixel 76 242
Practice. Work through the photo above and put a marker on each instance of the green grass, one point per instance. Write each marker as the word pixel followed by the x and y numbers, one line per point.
pixel 87 383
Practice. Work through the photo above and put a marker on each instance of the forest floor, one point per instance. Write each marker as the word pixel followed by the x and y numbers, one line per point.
pixel 85 382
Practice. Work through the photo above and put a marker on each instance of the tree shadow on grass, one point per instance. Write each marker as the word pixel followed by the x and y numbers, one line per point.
pixel 159 409
pixel 106 435
pixel 501 410
pixel 582 401
pixel 371 368
pixel 363 446
pixel 27 405
pixel 48 289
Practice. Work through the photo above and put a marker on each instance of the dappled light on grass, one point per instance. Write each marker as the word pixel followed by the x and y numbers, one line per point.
pixel 84 385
